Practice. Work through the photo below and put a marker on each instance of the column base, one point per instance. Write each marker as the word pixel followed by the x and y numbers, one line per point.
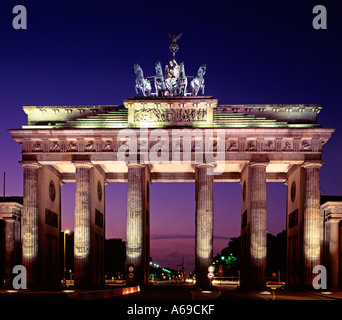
pixel 204 286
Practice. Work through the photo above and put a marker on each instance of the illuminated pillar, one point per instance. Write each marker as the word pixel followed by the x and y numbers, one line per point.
pixel 9 250
pixel 312 227
pixel 204 188
pixel 29 224
pixel 258 244
pixel 253 226
pixel 332 249
pixel 82 263
pixel 137 229
pixel 340 253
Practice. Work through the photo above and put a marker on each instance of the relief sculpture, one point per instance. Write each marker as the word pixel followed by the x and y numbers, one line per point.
pixel 170 115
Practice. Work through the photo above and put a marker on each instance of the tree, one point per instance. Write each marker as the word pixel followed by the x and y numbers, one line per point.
pixel 114 258
pixel 228 261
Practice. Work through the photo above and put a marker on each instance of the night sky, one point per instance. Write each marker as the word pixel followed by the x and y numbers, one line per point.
pixel 82 53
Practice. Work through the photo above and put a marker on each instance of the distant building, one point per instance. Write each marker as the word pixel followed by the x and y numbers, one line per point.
pixel 10 237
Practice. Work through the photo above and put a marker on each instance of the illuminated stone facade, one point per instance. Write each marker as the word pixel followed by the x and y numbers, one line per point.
pixel 253 227
pixel 331 242
pixel 170 139
pixel 204 224
pixel 10 216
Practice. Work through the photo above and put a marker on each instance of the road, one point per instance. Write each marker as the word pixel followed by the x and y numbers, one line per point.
pixel 182 300
pixel 186 292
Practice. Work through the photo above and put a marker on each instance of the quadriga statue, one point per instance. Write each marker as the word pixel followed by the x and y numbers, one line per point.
pixel 141 83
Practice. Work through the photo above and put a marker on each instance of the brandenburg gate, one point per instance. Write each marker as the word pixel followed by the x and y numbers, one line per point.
pixel 169 136
pixel 250 144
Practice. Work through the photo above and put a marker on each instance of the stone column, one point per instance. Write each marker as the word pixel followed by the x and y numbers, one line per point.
pixel 9 250
pixel 254 220
pixel 82 263
pixel 312 228
pixel 135 231
pixel 340 254
pixel 258 224
pixel 29 224
pixel 204 223
pixel 332 227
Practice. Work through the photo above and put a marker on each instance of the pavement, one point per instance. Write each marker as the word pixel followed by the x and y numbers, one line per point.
pixel 67 294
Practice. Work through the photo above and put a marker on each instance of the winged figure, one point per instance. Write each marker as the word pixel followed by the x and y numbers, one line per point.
pixel 174 39
pixel 174 46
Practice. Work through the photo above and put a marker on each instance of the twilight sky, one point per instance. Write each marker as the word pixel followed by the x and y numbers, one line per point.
pixel 82 52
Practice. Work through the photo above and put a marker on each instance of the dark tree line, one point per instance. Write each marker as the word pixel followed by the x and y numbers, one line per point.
pixel 114 257
pixel 227 263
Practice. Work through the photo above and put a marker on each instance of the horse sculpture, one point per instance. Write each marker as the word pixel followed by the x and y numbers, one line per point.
pixel 182 81
pixel 159 83
pixel 141 83
pixel 197 83
pixel 173 83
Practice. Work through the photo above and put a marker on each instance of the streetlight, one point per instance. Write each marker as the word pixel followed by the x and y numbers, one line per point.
pixel 67 231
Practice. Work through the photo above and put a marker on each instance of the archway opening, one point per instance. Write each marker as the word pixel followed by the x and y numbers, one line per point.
pixel 276 232
pixel 67 224
pixel 172 225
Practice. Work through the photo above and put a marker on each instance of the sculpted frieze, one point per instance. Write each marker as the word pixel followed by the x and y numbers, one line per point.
pixel 305 145
pixel 269 145
pixel 37 146
pixel 72 146
pixel 232 145
pixel 287 145
pixel 251 145
pixel 107 146
pixel 111 144
pixel 170 114
pixel 55 146
pixel 89 146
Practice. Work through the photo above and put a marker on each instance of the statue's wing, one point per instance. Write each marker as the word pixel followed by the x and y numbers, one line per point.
pixel 171 37
pixel 178 37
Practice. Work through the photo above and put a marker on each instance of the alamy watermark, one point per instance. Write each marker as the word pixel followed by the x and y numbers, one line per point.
pixel 318 22
pixel 20 280
pixel 180 146
pixel 319 282
pixel 20 20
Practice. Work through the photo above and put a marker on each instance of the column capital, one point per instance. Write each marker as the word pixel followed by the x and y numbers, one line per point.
pixel 312 164
pixel 82 164
pixel 30 164
pixel 205 165
pixel 333 217
pixel 258 163
pixel 136 165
